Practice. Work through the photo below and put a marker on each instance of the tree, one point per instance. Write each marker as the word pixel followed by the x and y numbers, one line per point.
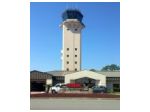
pixel 48 86
pixel 111 67
pixel 92 70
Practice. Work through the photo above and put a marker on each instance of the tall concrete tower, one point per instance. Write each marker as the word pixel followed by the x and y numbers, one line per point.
pixel 71 49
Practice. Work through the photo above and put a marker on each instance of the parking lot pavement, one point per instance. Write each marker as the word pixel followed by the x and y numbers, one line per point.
pixel 74 104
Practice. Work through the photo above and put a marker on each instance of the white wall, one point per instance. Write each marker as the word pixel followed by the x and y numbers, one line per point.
pixel 48 81
pixel 90 74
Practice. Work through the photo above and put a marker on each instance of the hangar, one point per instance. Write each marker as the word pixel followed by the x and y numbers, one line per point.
pixel 86 77
pixel 38 80
pixel 110 79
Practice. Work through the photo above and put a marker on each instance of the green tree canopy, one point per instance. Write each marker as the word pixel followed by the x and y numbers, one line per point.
pixel 92 70
pixel 111 67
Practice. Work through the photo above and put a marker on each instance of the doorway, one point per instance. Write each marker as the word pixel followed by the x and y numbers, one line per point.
pixel 37 85
pixel 116 87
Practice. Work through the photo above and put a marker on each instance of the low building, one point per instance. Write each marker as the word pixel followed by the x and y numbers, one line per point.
pixel 112 80
pixel 109 79
pixel 86 77
pixel 39 80
pixel 59 76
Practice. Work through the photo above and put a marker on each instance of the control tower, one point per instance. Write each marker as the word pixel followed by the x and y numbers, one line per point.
pixel 71 50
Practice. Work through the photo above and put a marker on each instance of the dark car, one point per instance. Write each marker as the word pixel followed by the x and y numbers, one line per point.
pixel 99 89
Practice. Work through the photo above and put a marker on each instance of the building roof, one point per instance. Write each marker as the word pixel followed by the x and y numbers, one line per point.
pixel 60 73
pixel 110 74
pixel 106 73
pixel 39 75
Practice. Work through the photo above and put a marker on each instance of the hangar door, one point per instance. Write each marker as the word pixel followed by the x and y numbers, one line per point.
pixel 37 85
pixel 116 87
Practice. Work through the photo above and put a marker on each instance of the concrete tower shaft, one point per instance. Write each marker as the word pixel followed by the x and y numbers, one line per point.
pixel 71 49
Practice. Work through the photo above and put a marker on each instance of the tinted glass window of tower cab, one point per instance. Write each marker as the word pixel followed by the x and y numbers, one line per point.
pixel 72 14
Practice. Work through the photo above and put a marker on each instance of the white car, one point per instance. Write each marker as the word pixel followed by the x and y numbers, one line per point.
pixel 57 88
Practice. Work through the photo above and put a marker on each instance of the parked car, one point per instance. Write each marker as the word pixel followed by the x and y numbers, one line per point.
pixel 73 85
pixel 57 88
pixel 99 89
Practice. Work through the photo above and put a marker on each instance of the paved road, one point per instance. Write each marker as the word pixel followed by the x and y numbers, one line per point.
pixel 74 104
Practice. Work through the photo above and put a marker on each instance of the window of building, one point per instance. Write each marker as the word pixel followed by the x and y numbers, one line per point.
pixel 75 49
pixel 67 55
pixel 67 69
pixel 75 62
pixel 67 62
pixel 67 49
pixel 75 55
pixel 75 69
pixel 76 29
